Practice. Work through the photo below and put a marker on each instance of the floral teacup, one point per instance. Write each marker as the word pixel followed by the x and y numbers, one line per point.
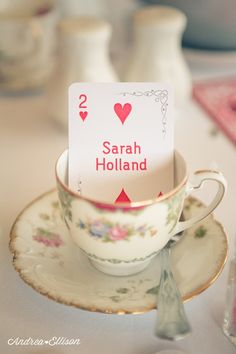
pixel 121 239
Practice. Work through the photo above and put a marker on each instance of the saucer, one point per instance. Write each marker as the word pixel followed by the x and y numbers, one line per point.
pixel 46 258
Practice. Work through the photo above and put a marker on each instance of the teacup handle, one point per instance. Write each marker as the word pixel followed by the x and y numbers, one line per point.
pixel 201 177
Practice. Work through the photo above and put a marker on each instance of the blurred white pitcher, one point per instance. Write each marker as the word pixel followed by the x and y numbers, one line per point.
pixel 27 43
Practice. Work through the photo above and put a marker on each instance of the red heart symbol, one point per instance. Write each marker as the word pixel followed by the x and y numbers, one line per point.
pixel 122 111
pixel 83 115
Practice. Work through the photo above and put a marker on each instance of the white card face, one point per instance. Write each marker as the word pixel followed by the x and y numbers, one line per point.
pixel 120 140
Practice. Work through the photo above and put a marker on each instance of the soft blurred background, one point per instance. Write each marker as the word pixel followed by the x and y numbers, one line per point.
pixel 44 46
pixel 211 23
pixel 47 44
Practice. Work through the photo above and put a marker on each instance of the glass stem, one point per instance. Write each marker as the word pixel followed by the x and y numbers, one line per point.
pixel 172 322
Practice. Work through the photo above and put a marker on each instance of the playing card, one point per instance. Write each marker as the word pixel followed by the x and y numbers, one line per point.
pixel 218 98
pixel 120 140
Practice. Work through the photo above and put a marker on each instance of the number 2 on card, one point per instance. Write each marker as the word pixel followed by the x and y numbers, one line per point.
pixel 83 99
pixel 82 105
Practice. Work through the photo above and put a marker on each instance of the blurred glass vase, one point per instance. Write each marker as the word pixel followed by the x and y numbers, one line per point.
pixel 157 54
pixel 27 44
pixel 83 57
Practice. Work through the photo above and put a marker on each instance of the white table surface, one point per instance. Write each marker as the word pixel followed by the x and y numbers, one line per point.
pixel 29 145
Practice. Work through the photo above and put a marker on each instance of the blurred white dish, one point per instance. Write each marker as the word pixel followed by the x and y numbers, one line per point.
pixel 170 351
pixel 210 57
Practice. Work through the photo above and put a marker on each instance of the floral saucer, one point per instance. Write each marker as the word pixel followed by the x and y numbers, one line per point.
pixel 47 259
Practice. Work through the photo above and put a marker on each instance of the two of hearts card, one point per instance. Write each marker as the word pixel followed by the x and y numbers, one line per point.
pixel 121 141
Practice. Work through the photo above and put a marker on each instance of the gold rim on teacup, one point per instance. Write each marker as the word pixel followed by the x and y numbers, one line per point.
pixel 130 205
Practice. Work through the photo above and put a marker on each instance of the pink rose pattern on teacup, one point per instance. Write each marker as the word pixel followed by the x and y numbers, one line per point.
pixel 118 233
pixel 105 231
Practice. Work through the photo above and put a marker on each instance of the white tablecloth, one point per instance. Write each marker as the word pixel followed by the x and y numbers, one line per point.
pixel 30 142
